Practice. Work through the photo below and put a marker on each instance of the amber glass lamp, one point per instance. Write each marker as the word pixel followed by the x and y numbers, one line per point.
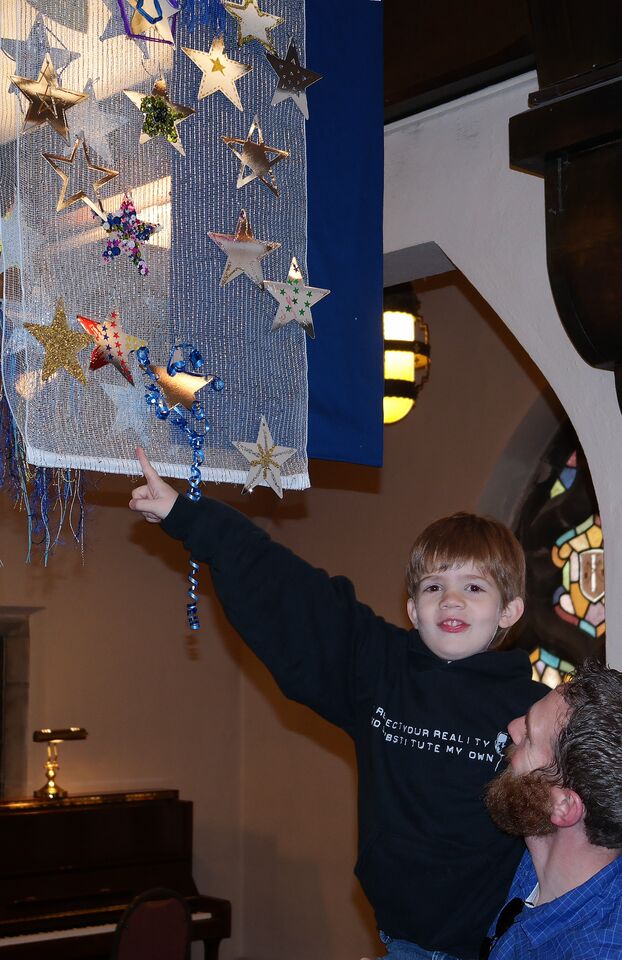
pixel 406 351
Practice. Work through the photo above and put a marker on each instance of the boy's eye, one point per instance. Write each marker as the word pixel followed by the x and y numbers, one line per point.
pixel 431 588
pixel 475 588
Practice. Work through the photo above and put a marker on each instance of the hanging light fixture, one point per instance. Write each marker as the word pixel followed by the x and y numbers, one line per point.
pixel 406 351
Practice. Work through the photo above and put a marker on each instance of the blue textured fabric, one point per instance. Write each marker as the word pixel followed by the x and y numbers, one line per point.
pixel 345 144
pixel 405 950
pixel 584 924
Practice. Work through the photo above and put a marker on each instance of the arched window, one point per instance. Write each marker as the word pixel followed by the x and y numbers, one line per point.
pixel 559 528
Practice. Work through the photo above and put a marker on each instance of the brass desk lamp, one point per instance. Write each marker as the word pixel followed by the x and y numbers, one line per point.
pixel 51 790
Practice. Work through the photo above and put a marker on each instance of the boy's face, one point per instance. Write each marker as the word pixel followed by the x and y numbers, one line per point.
pixel 458 611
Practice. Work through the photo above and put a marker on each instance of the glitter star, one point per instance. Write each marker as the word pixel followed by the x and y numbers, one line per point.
pixel 257 157
pixel 293 79
pixel 114 345
pixel 47 101
pixel 61 344
pixel 161 116
pixel 253 23
pixel 266 460
pixel 244 252
pixel 219 72
pixel 84 172
pixel 294 299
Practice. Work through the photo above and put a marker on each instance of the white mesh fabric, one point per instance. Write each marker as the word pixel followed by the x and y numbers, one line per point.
pixel 60 254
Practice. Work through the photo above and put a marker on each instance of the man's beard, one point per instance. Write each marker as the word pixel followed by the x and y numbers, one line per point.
pixel 520 804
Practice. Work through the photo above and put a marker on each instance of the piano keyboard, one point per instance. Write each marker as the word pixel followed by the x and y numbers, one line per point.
pixel 74 932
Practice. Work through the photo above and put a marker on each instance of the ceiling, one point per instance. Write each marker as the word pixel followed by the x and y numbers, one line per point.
pixel 437 50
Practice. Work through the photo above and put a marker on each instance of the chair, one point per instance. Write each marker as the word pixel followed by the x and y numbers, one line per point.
pixel 155 926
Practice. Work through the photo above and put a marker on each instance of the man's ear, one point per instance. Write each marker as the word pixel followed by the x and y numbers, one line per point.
pixel 411 609
pixel 567 807
pixel 511 613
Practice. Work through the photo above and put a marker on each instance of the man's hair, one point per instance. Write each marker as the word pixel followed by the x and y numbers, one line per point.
pixel 588 752
pixel 468 538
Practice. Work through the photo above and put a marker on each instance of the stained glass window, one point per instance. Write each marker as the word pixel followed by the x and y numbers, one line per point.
pixel 580 598
pixel 567 476
pixel 560 530
pixel 549 669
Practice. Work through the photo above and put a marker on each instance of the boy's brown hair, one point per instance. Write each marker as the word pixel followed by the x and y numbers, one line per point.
pixel 469 538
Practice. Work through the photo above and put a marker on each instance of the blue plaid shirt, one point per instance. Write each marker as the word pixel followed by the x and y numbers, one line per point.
pixel 584 924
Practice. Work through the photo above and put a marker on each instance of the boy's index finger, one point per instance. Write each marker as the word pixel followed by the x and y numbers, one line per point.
pixel 149 473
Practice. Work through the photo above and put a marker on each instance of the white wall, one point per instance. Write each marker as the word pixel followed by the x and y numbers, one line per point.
pixel 447 181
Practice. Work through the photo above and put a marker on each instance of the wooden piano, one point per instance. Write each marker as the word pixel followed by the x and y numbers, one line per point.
pixel 69 868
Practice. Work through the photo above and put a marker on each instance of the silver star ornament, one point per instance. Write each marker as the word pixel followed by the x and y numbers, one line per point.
pixel 295 300
pixel 244 252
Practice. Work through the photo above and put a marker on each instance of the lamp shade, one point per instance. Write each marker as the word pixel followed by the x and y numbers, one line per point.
pixel 406 352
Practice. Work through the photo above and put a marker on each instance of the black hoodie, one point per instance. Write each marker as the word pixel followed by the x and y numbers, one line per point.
pixel 429 733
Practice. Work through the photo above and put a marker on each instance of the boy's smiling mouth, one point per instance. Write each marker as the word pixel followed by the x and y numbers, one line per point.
pixel 452 625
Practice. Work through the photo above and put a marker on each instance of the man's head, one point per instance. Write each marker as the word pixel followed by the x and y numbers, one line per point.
pixel 466 583
pixel 565 765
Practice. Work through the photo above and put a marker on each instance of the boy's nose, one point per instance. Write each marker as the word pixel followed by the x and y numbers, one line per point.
pixel 452 599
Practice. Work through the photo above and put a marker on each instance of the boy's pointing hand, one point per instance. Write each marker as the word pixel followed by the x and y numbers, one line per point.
pixel 155 498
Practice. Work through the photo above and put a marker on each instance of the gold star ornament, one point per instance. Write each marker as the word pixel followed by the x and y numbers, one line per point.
pixel 266 460
pixel 256 157
pixel 180 389
pixel 61 344
pixel 219 72
pixel 47 101
pixel 84 173
pixel 253 23
pixel 244 252
pixel 162 117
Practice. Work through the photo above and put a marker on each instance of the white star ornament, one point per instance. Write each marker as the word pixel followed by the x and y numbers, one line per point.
pixel 266 460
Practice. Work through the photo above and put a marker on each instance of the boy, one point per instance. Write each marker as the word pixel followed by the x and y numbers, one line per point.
pixel 427 709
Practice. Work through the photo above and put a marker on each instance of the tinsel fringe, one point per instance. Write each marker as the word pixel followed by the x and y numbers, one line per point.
pixel 52 499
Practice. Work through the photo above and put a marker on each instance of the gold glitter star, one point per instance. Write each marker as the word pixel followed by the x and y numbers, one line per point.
pixel 219 72
pixel 266 460
pixel 255 156
pixel 47 101
pixel 61 344
pixel 83 189
pixel 253 23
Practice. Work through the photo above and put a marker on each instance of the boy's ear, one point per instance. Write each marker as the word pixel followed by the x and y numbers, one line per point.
pixel 412 612
pixel 511 613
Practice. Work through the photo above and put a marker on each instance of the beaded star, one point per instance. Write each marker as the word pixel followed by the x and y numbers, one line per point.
pixel 161 116
pixel 127 233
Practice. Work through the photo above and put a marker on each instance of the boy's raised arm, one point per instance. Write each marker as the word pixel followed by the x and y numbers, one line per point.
pixel 155 498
